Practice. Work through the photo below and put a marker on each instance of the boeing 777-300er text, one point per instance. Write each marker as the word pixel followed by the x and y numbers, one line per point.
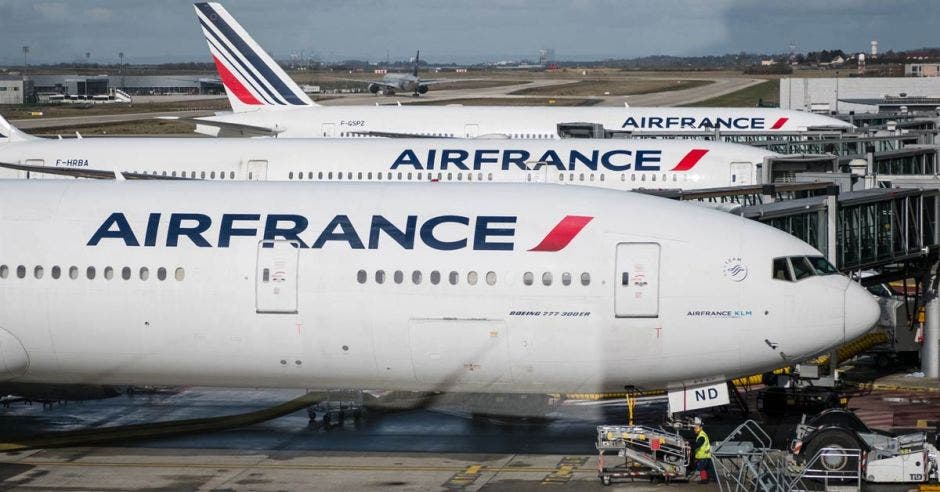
pixel 609 163
pixel 423 287
pixel 267 102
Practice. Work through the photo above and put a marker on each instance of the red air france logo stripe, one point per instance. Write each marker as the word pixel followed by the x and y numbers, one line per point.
pixel 779 123
pixel 231 83
pixel 690 159
pixel 562 234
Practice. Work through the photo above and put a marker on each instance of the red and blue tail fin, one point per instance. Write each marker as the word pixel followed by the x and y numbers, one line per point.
pixel 252 79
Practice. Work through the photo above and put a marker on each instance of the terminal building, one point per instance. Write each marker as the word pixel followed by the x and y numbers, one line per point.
pixel 136 85
pixel 853 94
pixel 15 89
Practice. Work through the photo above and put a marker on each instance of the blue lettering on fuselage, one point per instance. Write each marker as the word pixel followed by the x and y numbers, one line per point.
pixel 693 123
pixel 485 159
pixel 443 232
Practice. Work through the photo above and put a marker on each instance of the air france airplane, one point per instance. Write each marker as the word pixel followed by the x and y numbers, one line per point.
pixel 401 286
pixel 267 102
pixel 608 163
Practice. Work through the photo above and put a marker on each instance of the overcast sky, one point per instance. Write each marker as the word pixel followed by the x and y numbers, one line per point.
pixel 149 31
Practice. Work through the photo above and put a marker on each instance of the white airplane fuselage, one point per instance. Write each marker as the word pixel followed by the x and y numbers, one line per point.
pixel 610 163
pixel 423 286
pixel 514 122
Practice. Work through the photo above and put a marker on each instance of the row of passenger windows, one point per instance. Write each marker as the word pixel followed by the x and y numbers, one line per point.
pixel 91 273
pixel 471 278
pixel 799 267
pixel 459 176
pixel 192 174
pixel 531 136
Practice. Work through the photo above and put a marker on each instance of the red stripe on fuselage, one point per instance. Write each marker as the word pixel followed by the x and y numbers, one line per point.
pixel 690 160
pixel 232 84
pixel 562 233
pixel 779 123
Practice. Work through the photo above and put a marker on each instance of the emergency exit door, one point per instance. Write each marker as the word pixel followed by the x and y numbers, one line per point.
pixel 636 284
pixel 257 170
pixel 37 163
pixel 741 173
pixel 471 130
pixel 328 130
pixel 276 277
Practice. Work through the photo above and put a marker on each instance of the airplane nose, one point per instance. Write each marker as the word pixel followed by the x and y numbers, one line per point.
pixel 861 311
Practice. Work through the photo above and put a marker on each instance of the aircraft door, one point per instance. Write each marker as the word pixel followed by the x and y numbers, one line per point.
pixel 257 170
pixel 741 173
pixel 276 277
pixel 471 131
pixel 636 286
pixel 37 163
pixel 328 130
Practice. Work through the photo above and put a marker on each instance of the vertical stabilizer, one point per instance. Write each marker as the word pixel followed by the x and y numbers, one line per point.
pixel 252 79
pixel 10 133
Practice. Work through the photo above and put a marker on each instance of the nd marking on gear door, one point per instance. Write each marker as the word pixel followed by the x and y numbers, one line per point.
pixel 276 277
pixel 636 285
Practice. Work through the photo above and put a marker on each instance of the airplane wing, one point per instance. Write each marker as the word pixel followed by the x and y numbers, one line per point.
pixel 235 129
pixel 446 81
pixel 84 172
pixel 382 83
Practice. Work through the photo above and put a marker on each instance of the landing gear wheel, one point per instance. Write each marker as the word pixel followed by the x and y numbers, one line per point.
pixel 605 481
pixel 835 442
pixel 326 420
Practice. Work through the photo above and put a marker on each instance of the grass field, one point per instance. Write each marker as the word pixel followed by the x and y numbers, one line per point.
pixel 64 110
pixel 767 91
pixel 511 101
pixel 142 127
pixel 621 87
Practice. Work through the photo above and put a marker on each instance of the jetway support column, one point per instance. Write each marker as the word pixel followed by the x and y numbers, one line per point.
pixel 832 214
pixel 930 353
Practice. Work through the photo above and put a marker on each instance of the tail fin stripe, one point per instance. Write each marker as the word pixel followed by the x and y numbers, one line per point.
pixel 242 48
pixel 236 63
pixel 231 82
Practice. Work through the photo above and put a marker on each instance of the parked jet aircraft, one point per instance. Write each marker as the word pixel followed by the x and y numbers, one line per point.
pixel 610 163
pixel 266 102
pixel 420 287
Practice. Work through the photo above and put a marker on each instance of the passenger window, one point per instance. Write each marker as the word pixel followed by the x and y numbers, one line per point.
pixel 399 277
pixel 368 176
pixel 144 273
pixel 409 176
pixel 822 265
pixel 489 176
pixel 20 271
pixel 801 268
pixel 108 273
pixel 547 278
pixel 231 175
pixel 585 278
pixel 527 278
pixel 212 174
pixel 581 177
pixel 202 175
pixel 490 278
pixel 472 278
pixel 73 272
pixel 361 276
pixel 435 277
pixel 126 273
pixel 56 272
pixel 453 278
pixel 90 273
pixel 380 276
pixel 359 176
pixel 329 175
pixel 179 274
pixel 320 175
pixel 38 271
pixel 782 270
pixel 566 278
pixel 416 277
pixel 4 271
pixel 161 274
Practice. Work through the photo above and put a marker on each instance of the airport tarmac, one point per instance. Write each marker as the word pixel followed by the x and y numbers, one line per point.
pixel 717 87
pixel 440 449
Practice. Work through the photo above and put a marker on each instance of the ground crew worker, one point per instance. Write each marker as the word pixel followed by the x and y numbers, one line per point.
pixel 702 451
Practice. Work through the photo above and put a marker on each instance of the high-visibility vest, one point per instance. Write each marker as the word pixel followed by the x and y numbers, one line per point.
pixel 705 451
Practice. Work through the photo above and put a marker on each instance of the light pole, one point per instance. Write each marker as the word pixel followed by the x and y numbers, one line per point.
pixel 25 61
pixel 121 56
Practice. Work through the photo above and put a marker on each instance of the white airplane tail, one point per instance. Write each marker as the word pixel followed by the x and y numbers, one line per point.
pixel 10 133
pixel 252 79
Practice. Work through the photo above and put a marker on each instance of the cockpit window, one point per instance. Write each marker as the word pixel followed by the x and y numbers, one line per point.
pixel 782 270
pixel 801 267
pixel 822 265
